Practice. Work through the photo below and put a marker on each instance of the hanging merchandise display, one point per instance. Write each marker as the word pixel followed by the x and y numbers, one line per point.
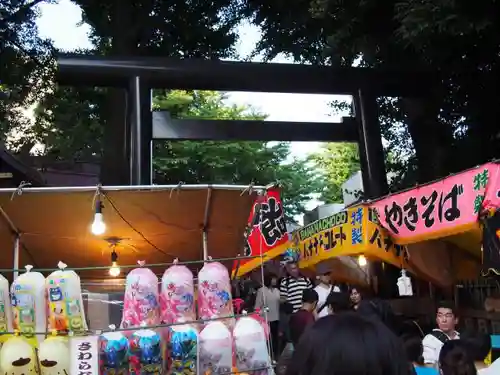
pixel 404 284
pixel 66 312
pixel 5 310
pixel 177 294
pixel 216 349
pixel 29 305
pixel 18 357
pixel 141 299
pixel 250 343
pixel 183 350
pixel 214 293
pixel 113 353
pixel 145 354
pixel 53 356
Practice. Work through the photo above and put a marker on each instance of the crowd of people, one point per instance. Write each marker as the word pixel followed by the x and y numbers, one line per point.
pixel 321 330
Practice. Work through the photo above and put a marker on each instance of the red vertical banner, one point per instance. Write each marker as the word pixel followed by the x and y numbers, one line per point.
pixel 265 231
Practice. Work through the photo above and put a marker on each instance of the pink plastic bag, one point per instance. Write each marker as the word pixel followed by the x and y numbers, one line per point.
pixel 177 295
pixel 141 300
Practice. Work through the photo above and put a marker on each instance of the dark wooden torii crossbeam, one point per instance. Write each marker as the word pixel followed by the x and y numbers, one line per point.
pixel 139 75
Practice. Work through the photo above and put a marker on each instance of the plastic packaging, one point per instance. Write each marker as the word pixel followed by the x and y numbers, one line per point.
pixel 177 295
pixel 64 292
pixel 214 293
pixel 216 349
pixel 29 305
pixel 141 300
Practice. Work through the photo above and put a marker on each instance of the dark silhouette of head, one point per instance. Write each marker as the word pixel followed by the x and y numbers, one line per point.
pixel 349 344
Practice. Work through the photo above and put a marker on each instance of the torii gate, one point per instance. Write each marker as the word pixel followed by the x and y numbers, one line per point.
pixel 140 75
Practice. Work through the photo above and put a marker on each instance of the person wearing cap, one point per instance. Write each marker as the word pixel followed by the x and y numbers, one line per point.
pixel 324 288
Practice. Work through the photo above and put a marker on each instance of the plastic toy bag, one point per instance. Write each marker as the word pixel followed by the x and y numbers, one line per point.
pixel 54 356
pixel 252 354
pixel 18 357
pixel 145 354
pixel 5 309
pixel 183 349
pixel 29 305
pixel 64 292
pixel 177 295
pixel 141 300
pixel 214 293
pixel 216 349
pixel 113 354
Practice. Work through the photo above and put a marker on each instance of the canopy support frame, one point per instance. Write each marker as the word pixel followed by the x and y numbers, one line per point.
pixel 17 241
pixel 204 233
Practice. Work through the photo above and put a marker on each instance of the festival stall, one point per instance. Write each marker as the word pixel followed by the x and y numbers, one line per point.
pixel 163 329
pixel 440 223
pixel 451 228
pixel 336 239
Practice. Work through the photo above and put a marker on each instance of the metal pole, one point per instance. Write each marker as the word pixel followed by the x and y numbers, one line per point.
pixel 70 189
pixel 205 244
pixel 206 218
pixel 16 257
pixel 370 145
pixel 135 125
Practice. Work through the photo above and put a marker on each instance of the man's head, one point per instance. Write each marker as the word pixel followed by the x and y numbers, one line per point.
pixel 309 299
pixel 292 269
pixel 323 273
pixel 479 345
pixel 446 317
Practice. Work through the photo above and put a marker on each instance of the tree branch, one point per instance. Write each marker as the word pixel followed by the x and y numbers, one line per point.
pixel 21 11
pixel 17 45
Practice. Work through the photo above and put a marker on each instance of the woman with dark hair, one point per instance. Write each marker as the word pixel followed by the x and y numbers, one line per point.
pixel 349 344
pixel 269 296
pixel 455 359
pixel 355 297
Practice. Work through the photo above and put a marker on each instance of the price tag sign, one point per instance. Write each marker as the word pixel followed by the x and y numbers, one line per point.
pixel 84 355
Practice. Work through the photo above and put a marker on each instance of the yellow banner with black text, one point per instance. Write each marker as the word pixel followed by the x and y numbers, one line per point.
pixel 351 232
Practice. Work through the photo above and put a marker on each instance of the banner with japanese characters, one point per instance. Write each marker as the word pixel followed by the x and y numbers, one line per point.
pixel 350 232
pixel 265 233
pixel 84 355
pixel 443 208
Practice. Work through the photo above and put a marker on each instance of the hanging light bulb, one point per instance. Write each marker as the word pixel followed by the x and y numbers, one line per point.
pixel 114 270
pixel 362 261
pixel 98 226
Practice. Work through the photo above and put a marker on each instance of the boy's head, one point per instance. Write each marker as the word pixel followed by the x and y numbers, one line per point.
pixel 338 302
pixel 413 348
pixel 309 299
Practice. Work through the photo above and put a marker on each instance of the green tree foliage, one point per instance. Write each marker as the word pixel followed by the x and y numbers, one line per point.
pixel 69 125
pixel 454 127
pixel 336 163
pixel 24 62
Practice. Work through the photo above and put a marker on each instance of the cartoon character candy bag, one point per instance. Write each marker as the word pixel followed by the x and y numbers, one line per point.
pixel 252 354
pixel 66 312
pixel 141 299
pixel 216 349
pixel 177 294
pixel 214 292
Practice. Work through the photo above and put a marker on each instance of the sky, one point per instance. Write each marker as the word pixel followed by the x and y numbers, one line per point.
pixel 59 22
